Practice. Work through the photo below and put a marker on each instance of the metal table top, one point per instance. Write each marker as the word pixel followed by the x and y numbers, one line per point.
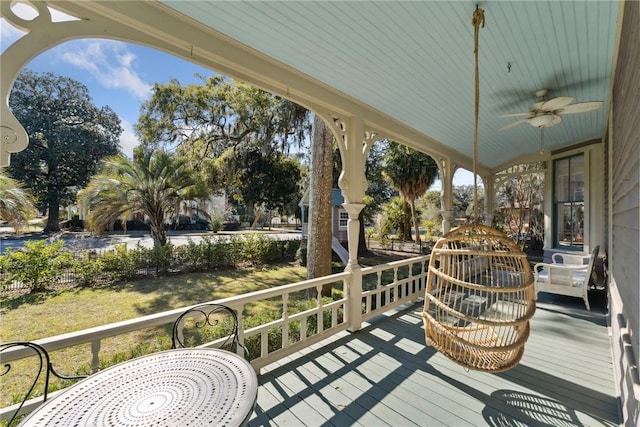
pixel 182 387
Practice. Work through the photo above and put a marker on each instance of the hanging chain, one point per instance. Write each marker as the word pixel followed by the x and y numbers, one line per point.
pixel 477 21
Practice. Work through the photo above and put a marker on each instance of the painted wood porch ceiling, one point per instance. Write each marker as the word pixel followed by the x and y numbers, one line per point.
pixel 413 61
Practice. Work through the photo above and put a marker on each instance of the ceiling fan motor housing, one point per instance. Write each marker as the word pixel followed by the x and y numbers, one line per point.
pixel 546 113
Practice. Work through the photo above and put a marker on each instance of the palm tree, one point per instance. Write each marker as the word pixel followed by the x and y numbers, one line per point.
pixel 410 172
pixel 153 184
pixel 16 203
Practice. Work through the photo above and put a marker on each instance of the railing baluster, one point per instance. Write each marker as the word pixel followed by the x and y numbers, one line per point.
pixel 285 318
pixel 303 328
pixel 95 355
pixel 320 313
pixel 240 310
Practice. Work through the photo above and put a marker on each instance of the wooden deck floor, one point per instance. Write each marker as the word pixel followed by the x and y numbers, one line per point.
pixel 385 375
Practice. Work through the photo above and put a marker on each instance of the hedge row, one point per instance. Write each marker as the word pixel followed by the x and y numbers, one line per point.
pixel 40 264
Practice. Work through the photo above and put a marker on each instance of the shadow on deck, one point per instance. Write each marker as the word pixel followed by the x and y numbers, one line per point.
pixel 385 375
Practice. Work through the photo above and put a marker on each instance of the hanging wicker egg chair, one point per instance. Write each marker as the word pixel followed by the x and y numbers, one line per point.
pixel 480 292
pixel 479 299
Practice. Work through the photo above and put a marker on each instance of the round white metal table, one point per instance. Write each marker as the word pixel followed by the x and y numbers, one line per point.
pixel 182 387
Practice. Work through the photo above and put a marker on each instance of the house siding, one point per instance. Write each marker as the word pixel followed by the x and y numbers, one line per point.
pixel 339 233
pixel 624 252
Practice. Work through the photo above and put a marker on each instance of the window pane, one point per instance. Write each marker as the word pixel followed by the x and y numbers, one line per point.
pixel 577 179
pixel 570 224
pixel 561 180
pixel 344 219
pixel 578 224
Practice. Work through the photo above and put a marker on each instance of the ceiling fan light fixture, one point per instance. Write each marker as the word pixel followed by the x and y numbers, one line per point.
pixel 544 121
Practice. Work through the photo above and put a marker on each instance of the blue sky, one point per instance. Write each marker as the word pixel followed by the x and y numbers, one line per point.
pixel 117 74
pixel 121 76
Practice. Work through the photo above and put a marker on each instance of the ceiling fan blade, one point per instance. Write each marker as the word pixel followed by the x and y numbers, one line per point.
pixel 514 124
pixel 556 103
pixel 582 107
pixel 536 106
pixel 515 115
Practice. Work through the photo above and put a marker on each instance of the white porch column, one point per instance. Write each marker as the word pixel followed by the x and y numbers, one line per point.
pixel 354 144
pixel 489 199
pixel 447 169
pixel 447 220
pixel 353 230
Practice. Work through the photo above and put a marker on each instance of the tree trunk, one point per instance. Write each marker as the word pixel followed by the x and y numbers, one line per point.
pixel 53 219
pixel 415 221
pixel 362 240
pixel 320 230
pixel 158 232
pixel 250 213
pixel 406 222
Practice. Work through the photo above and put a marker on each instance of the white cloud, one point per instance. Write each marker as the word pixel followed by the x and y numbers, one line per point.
pixel 128 139
pixel 110 63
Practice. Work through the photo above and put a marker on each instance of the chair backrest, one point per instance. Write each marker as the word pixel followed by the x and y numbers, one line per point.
pixel 592 264
pixel 209 323
pixel 44 366
pixel 565 258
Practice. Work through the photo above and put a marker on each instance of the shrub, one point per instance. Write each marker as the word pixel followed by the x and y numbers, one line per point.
pixel 88 269
pixel 216 225
pixel 37 265
pixel 259 249
pixel 121 264
pixel 159 258
pixel 226 253
pixel 274 335
pixel 205 253
pixel 301 254
pixel 385 242
pixel 291 249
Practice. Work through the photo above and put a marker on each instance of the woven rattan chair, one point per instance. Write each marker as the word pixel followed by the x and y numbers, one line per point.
pixel 479 299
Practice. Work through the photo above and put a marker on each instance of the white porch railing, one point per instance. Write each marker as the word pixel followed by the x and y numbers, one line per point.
pixel 385 286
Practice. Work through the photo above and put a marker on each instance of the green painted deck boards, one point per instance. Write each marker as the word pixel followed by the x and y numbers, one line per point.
pixel 385 375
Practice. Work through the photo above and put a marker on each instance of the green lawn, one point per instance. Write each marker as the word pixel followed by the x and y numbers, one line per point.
pixel 31 317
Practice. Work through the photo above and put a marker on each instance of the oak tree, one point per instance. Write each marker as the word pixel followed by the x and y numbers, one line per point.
pixel 68 136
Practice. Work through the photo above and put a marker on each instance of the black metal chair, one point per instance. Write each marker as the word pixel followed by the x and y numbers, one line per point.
pixel 188 328
pixel 45 366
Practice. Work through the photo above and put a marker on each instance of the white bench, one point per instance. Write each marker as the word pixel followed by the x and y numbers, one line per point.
pixel 566 278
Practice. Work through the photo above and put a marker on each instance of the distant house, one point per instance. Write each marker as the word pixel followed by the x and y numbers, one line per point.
pixel 339 220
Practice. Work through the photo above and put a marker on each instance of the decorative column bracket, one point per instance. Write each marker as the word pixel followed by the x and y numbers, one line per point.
pixel 354 143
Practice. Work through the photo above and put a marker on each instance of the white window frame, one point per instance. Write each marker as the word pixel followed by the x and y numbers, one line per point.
pixel 342 218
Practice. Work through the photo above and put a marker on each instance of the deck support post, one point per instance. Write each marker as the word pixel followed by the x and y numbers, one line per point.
pixel 489 199
pixel 447 170
pixel 354 143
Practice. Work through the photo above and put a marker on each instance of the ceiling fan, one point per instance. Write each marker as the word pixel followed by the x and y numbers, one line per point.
pixel 545 114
